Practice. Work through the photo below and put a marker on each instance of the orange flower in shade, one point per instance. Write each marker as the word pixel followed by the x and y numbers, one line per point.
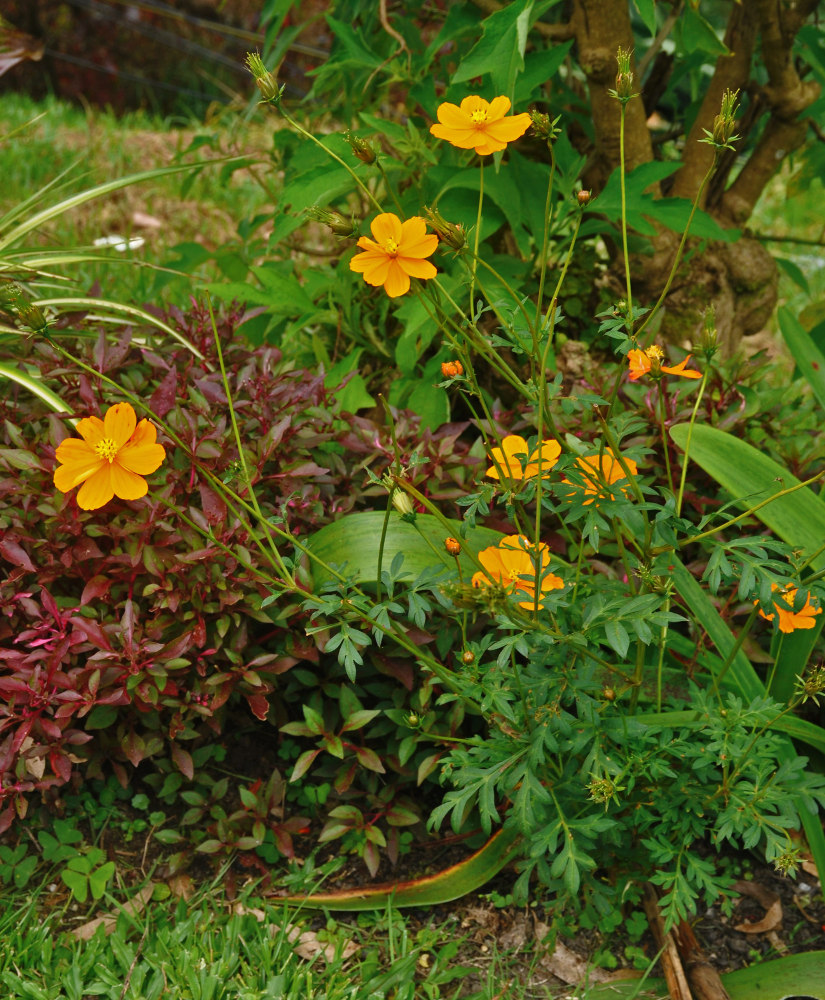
pixel 514 564
pixel 649 362
pixel 515 452
pixel 112 458
pixel 790 620
pixel 598 473
pixel 479 125
pixel 396 254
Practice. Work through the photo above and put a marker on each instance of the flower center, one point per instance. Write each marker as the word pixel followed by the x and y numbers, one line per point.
pixel 655 353
pixel 391 246
pixel 107 449
pixel 478 116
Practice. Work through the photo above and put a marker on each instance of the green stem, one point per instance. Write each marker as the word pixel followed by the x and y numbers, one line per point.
pixel 545 239
pixel 308 135
pixel 686 454
pixel 475 241
pixel 662 415
pixel 680 250
pixel 624 223
pixel 241 456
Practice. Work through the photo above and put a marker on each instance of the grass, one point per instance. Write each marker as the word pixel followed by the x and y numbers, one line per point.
pixel 207 948
pixel 41 141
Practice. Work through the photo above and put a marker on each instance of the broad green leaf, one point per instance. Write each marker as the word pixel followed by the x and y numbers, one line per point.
pixel 453 883
pixel 809 359
pixel 792 976
pixel 353 396
pixel 751 478
pixel 354 540
pixel 694 33
pixel 500 50
pixel 647 12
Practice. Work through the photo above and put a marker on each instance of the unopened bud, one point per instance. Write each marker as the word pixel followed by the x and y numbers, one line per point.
pixel 709 342
pixel 452 369
pixel 609 694
pixel 334 221
pixel 543 126
pixel 583 198
pixel 264 80
pixel 402 503
pixel 364 150
pixel 624 77
pixel 453 546
pixel 468 657
pixel 32 317
pixel 724 123
pixel 451 233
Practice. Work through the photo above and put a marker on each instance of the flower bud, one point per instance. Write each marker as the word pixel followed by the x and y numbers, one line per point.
pixel 364 150
pixel 468 657
pixel 453 546
pixel 624 77
pixel 450 233
pixel 452 369
pixel 583 198
pixel 724 123
pixel 336 223
pixel 264 80
pixel 709 342
pixel 543 126
pixel 32 317
pixel 402 503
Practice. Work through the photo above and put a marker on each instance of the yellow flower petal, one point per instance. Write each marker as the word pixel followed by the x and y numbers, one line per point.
pixel 91 429
pixel 386 226
pixel 142 459
pixel 397 281
pixel 119 423
pixel 127 485
pixel 97 490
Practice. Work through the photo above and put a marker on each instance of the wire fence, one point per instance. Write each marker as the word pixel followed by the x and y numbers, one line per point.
pixel 147 50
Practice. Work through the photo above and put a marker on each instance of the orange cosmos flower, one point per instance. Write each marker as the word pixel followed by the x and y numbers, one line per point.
pixel 507 458
pixel 598 474
pixel 514 564
pixel 396 254
pixel 479 125
pixel 111 460
pixel 790 620
pixel 650 362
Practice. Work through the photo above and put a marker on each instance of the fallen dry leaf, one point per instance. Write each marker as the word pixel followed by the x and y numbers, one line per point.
pixel 571 968
pixel 109 920
pixel 181 887
pixel 771 920
pixel 769 900
pixel 307 945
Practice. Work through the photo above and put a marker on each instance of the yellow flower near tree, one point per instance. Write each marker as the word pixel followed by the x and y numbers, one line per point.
pixel 112 458
pixel 515 460
pixel 480 125
pixel 597 474
pixel 396 254
pixel 790 620
pixel 518 566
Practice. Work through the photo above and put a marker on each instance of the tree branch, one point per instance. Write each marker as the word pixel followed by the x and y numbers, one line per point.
pixel 732 73
pixel 601 27
pixel 787 96
pixel 556 32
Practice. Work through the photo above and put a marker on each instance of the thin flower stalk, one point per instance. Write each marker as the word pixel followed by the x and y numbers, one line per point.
pixel 685 457
pixel 629 290
pixel 287 576
pixel 545 239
